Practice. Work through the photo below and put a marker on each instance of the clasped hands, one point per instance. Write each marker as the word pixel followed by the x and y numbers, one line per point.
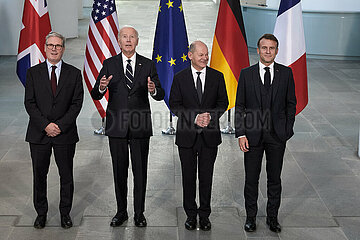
pixel 203 119
pixel 104 82
pixel 52 130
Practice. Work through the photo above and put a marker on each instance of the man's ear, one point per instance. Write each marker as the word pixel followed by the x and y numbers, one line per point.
pixel 190 55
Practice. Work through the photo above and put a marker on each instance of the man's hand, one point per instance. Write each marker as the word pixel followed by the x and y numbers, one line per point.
pixel 203 119
pixel 243 144
pixel 151 86
pixel 52 130
pixel 104 82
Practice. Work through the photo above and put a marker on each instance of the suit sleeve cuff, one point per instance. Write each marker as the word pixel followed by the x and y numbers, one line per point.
pixel 153 94
pixel 102 91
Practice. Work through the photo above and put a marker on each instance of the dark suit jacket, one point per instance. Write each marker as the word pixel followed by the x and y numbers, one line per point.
pixel 184 103
pixel 43 108
pixel 128 110
pixel 248 112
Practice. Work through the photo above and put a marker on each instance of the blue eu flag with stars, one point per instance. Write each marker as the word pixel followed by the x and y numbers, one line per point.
pixel 170 43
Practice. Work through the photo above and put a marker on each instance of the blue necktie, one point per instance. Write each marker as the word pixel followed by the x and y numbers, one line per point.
pixel 129 76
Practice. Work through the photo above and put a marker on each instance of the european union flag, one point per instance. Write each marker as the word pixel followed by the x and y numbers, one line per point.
pixel 170 43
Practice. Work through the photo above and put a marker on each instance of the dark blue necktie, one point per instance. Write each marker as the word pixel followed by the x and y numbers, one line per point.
pixel 129 76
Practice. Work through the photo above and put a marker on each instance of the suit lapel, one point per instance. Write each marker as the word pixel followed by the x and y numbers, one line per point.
pixel 44 76
pixel 120 68
pixel 257 81
pixel 193 87
pixel 276 81
pixel 137 70
pixel 207 85
pixel 63 77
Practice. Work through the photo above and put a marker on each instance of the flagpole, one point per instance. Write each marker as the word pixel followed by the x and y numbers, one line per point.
pixel 228 129
pixel 170 130
pixel 101 130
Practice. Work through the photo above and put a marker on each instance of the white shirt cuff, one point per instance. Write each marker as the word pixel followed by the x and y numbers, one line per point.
pixel 102 91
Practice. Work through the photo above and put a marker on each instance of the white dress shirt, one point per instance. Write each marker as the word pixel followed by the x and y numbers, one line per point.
pixel 202 76
pixel 57 70
pixel 262 72
pixel 132 63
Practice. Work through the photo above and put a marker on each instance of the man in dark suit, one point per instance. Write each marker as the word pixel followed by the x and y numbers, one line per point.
pixel 264 118
pixel 53 100
pixel 198 98
pixel 128 77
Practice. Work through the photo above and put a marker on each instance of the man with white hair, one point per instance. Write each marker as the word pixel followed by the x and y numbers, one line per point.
pixel 128 77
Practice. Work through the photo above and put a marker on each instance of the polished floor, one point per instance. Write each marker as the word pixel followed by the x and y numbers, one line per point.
pixel 321 173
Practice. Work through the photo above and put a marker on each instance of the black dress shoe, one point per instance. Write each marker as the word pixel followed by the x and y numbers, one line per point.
pixel 40 221
pixel 205 224
pixel 273 224
pixel 66 221
pixel 140 220
pixel 190 223
pixel 119 219
pixel 250 224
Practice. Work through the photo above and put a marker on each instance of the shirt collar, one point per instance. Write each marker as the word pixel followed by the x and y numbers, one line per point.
pixel 125 58
pixel 262 66
pixel 58 65
pixel 194 71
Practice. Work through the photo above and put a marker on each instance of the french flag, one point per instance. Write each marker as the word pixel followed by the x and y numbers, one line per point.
pixel 289 31
pixel 35 27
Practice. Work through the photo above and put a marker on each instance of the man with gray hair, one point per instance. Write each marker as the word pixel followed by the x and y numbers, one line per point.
pixel 198 98
pixel 53 99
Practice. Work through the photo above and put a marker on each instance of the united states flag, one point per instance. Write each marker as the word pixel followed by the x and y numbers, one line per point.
pixel 35 27
pixel 101 44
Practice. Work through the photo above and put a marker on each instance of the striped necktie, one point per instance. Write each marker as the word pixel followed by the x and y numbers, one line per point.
pixel 129 75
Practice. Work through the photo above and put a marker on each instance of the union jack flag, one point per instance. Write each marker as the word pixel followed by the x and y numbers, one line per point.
pixel 101 44
pixel 35 27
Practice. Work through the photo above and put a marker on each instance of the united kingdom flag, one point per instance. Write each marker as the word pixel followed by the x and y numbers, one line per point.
pixel 35 27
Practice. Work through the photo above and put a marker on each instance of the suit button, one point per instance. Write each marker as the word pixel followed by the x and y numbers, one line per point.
pixel 128 97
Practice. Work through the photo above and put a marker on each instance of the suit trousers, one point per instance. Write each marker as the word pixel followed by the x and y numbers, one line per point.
pixel 203 157
pixel 40 155
pixel 139 151
pixel 274 150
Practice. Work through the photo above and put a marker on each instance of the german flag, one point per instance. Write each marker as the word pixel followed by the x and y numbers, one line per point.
pixel 230 52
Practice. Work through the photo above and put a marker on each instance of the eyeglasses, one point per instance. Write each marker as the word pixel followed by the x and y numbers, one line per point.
pixel 51 46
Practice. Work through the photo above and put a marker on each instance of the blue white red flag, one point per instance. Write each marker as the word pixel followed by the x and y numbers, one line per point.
pixel 35 27
pixel 101 44
pixel 289 31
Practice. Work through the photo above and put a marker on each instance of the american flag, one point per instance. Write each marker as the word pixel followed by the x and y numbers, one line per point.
pixel 35 27
pixel 101 44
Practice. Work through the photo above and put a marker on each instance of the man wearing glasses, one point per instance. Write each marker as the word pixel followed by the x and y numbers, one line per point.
pixel 53 100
